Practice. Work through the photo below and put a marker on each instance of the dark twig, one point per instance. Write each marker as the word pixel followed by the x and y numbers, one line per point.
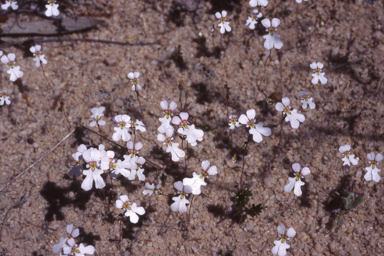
pixel 135 239
pixel 161 229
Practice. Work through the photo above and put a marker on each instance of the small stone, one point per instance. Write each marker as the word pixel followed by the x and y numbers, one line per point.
pixel 378 35
pixel 358 174
pixel 110 61
pixel 249 226
pixel 194 249
pixel 35 145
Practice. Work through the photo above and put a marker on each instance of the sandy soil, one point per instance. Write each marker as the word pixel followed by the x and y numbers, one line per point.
pixel 347 36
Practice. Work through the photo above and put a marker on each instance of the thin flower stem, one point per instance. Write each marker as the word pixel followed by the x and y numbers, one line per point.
pixel 165 222
pixel 242 169
pixel 46 78
pixel 138 99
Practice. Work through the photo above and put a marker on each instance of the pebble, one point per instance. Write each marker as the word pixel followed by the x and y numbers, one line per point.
pixel 35 145
pixel 358 174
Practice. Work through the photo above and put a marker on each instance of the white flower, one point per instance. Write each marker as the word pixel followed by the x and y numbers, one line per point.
pixel 172 148
pixel 136 164
pixel 38 57
pixel 97 113
pixel 133 76
pixel 131 209
pixel 92 156
pixel 138 125
pixel 190 131
pixel 296 181
pixel 317 75
pixel 198 179
pixel 70 248
pixel 4 98
pixel 372 171
pixel 306 100
pixel 52 9
pixel 70 234
pixel 233 122
pixel 348 158
pixel 13 70
pixel 133 151
pixel 166 120
pixel 121 167
pixel 224 24
pixel 281 245
pixel 181 201
pixel 292 116
pixel 255 3
pixel 11 3
pixel 299 1
pixel 272 39
pixel 151 189
pixel 121 132
pixel 258 129
pixel 252 21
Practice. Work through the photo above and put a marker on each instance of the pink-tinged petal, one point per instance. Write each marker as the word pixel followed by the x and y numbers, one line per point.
pixel 227 27
pixel 268 44
pixel 296 167
pixel 69 228
pixel 305 171
pixel 4 59
pixel 297 191
pixel 253 3
pixel 184 115
pixel 218 15
pixel 92 124
pixel 175 205
pixel 291 232
pixel 205 164
pixel 312 105
pixel 323 80
pixel 138 145
pixel 224 14
pixel 320 65
pixel 131 75
pixel 125 118
pixel 125 136
pixel 86 250
pixel 164 104
pixel 290 185
pixel 266 23
pixel 38 47
pixel 188 189
pixel 344 148
pixel 263 130
pixel 294 122
pixel 379 157
pixel 76 232
pixel 178 185
pixel 95 154
pixel 81 148
pixel 243 119
pixel 11 56
pixel 130 145
pixel 57 247
pixel 275 22
pixel 283 249
pixel 279 106
pixel 88 181
pixel 285 101
pixel 251 114
pixel 132 216
pixel 176 120
pixel 182 205
pixel 119 204
pixel 66 250
pixel 256 135
pixel 32 49
pixel 371 156
pixel 212 170
pixel 99 182
pixel 353 160
pixel 101 122
pixel 138 210
pixel 368 175
pixel 222 28
pixel 277 42
pixel 281 229
pixel 169 131
pixel 275 249
pixel 375 176
pixel 137 74
pixel 124 198
pixel 173 106
pixel 161 137
pixel 313 65
pixel 71 242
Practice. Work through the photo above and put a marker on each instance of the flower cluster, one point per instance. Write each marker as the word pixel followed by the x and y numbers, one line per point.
pixel 4 98
pixel 223 23
pixel 131 209
pixel 52 8
pixel 37 54
pixel 306 100
pixel 296 181
pixel 372 171
pixel 281 245
pixel 255 129
pixel 67 245
pixel 13 70
pixel 198 178
pixel 134 77
pixel 10 3
pixel 252 21
pixel 348 158
pixel 290 115
pixel 318 75
pixel 97 113
pixel 272 39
